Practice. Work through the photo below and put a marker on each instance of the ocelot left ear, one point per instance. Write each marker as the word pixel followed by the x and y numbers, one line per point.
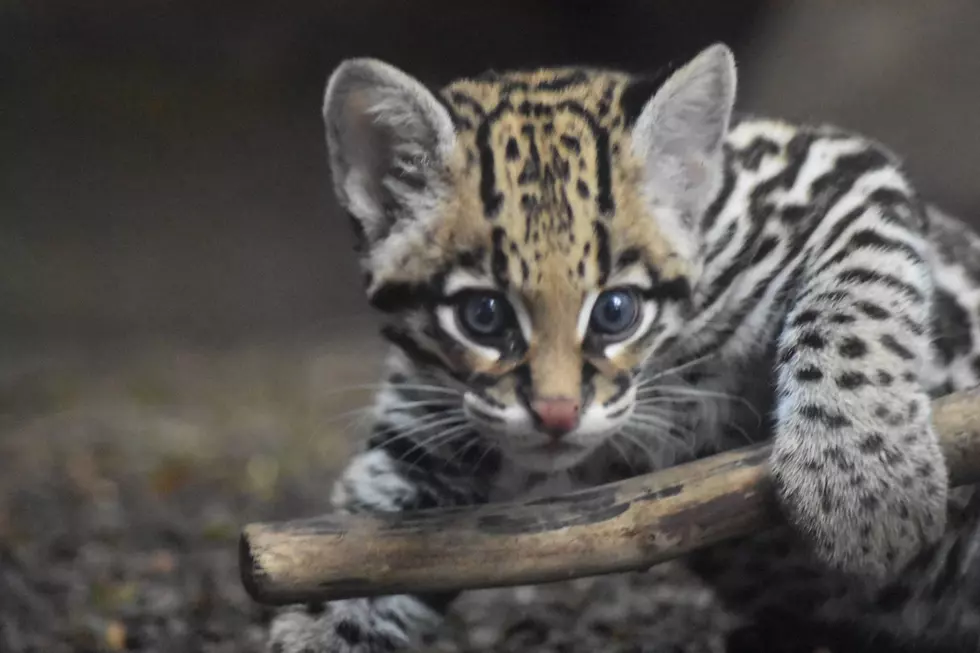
pixel 680 132
pixel 389 140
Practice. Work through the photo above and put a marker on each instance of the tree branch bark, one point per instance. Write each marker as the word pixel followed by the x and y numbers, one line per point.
pixel 632 524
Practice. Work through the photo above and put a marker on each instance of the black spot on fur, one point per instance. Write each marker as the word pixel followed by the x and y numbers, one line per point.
pixel 513 151
pixel 912 325
pixel 571 143
pixel 851 380
pixel 815 413
pixel 913 409
pixel 809 373
pixel 840 459
pixel 852 347
pixel 530 173
pixel 891 344
pixel 872 310
pixel 812 340
pixel 842 318
pixel 583 189
pixel 806 317
pixel 874 443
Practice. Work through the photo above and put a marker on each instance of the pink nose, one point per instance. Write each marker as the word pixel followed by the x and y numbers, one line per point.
pixel 557 415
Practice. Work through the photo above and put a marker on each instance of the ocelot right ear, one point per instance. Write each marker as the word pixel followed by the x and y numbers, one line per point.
pixel 681 130
pixel 389 141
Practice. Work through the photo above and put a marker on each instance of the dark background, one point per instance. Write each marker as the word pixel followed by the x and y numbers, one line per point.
pixel 162 167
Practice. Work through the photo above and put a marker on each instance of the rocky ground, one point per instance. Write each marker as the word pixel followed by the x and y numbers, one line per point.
pixel 127 472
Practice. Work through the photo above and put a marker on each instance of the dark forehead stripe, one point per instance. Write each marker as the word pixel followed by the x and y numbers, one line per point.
pixel 498 264
pixel 513 85
pixel 603 162
pixel 602 251
pixel 463 100
pixel 532 167
pixel 460 122
pixel 538 108
pixel 488 183
pixel 563 82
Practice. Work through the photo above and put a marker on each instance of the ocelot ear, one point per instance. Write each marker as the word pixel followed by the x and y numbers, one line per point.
pixel 680 131
pixel 389 140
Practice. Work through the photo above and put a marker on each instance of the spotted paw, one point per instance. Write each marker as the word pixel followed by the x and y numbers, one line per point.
pixel 382 625
pixel 865 506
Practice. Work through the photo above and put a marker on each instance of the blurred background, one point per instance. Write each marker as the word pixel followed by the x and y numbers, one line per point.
pixel 179 308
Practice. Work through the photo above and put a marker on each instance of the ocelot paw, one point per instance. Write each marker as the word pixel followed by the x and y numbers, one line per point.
pixel 866 506
pixel 381 625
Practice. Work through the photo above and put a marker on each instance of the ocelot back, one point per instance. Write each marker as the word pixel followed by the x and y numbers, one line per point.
pixel 588 275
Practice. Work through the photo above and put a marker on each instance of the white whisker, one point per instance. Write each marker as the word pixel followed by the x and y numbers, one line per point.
pixel 645 381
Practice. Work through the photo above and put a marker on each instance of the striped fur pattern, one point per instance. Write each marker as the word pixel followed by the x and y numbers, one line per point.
pixel 690 281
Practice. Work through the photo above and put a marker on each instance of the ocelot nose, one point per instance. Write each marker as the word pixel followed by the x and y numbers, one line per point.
pixel 556 415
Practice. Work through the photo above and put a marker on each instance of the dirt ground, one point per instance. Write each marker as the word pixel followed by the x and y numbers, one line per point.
pixel 125 475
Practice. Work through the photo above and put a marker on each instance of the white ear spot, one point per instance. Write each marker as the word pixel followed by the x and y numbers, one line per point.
pixel 388 137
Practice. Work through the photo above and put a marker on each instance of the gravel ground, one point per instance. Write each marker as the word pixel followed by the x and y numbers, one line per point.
pixel 126 473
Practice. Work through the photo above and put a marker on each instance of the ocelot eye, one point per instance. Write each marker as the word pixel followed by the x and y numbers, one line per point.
pixel 483 314
pixel 615 312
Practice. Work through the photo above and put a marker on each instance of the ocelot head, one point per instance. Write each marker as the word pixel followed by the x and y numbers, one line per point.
pixel 532 237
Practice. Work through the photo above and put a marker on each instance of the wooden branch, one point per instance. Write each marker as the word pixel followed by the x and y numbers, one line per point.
pixel 622 526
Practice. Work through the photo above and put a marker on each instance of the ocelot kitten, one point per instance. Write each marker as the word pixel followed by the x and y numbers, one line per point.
pixel 588 275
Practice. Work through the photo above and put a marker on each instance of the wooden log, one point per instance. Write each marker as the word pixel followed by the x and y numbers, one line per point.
pixel 628 525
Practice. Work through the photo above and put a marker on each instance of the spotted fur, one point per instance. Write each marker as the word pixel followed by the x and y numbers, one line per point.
pixel 789 285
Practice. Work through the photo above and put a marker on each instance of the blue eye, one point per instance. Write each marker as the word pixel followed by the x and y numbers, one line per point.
pixel 615 312
pixel 483 314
